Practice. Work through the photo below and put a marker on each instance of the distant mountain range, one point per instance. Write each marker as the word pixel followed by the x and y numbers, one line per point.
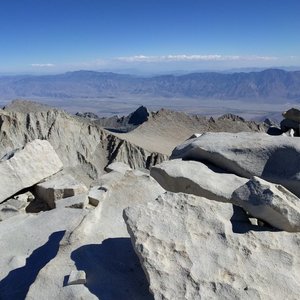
pixel 269 85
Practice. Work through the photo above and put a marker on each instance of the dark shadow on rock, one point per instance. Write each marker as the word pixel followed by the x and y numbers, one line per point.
pixel 117 130
pixel 282 167
pixel 17 283
pixel 241 223
pixel 283 163
pixel 66 279
pixel 274 131
pixel 113 270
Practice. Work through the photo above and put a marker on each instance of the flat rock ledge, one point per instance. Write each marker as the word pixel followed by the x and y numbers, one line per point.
pixel 190 248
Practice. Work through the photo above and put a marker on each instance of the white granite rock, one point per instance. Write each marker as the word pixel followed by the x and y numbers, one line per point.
pixel 83 146
pixel 77 277
pixel 191 248
pixel 24 233
pixel 269 202
pixel 273 158
pixel 100 246
pixel 118 167
pixel 35 162
pixel 79 201
pixel 96 195
pixel 194 135
pixel 15 206
pixel 59 187
pixel 193 177
pixel 26 197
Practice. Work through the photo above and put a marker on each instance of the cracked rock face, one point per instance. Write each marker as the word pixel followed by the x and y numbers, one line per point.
pixel 194 248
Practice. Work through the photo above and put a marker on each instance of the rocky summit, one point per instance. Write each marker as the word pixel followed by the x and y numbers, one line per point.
pixel 153 205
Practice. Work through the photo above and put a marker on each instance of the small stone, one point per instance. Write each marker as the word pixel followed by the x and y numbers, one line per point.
pixel 59 187
pixel 96 194
pixel 77 277
pixel 118 167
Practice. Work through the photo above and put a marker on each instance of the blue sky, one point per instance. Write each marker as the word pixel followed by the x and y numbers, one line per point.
pixel 148 35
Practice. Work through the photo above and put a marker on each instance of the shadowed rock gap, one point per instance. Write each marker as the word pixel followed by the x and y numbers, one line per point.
pixel 241 223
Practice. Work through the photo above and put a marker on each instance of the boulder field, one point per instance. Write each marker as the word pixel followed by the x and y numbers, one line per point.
pixel 219 220
pixel 273 158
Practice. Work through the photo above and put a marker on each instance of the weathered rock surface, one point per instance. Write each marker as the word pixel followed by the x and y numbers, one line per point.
pixel 22 235
pixel 263 200
pixel 100 246
pixel 77 277
pixel 269 202
pixel 193 177
pixel 96 195
pixel 15 206
pixel 118 166
pixel 59 187
pixel 273 158
pixel 190 249
pixel 26 167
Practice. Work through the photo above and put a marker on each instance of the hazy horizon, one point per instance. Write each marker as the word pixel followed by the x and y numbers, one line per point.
pixel 141 73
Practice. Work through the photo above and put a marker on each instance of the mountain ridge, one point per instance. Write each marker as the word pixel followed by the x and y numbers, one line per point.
pixel 274 85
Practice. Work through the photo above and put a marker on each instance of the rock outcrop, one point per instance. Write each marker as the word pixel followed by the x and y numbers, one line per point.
pixel 193 177
pixel 291 121
pixel 292 114
pixel 260 199
pixel 59 187
pixel 84 147
pixel 123 123
pixel 25 167
pixel 269 202
pixel 214 234
pixel 118 167
pixel 273 158
pixel 190 249
pixel 100 246
pixel 15 205
pixel 165 129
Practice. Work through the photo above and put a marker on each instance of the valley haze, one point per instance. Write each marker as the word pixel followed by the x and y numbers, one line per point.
pixel 254 95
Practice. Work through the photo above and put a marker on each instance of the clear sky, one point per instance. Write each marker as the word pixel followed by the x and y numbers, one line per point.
pixel 149 35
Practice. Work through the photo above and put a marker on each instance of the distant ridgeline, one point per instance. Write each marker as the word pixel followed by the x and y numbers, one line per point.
pixel 269 85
